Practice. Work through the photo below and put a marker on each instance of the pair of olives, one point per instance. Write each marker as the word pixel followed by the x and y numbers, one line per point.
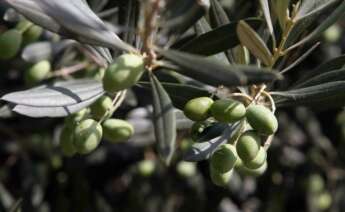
pixel 229 111
pixel 227 158
pixel 82 132
pixel 12 39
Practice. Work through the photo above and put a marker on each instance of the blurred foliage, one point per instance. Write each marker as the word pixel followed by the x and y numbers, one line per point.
pixel 305 170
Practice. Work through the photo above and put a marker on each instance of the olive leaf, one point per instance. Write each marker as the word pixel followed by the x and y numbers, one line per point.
pixel 311 6
pixel 71 18
pixel 329 21
pixel 164 120
pixel 16 207
pixel 280 8
pixel 55 100
pixel 204 150
pixel 217 40
pixel 330 76
pixel 180 94
pixel 218 15
pixel 213 73
pixel 326 95
pixel 250 39
pixel 266 9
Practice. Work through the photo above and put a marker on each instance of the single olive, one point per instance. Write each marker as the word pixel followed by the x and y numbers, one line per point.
pixel 10 42
pixel 228 110
pixel 32 34
pixel 38 72
pixel 124 73
pixel 220 179
pixel 67 143
pixel 198 109
pixel 258 160
pixel 248 145
pixel 117 130
pixel 87 136
pixel 146 167
pixel 186 169
pixel 262 119
pixel 102 106
pixel 223 159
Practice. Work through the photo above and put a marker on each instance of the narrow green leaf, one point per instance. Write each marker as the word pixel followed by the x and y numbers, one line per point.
pixel 17 206
pixel 323 96
pixel 336 75
pixel 164 120
pixel 329 21
pixel 266 9
pixel 280 8
pixel 180 94
pixel 311 6
pixel 250 39
pixel 218 15
pixel 217 40
pixel 213 73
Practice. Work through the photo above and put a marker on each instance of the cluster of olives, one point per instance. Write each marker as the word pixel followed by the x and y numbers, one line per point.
pixel 11 40
pixel 244 150
pixel 83 131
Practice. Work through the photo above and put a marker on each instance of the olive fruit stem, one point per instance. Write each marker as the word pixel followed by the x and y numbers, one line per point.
pixel 268 142
pixel 273 105
pixel 117 101
pixel 70 70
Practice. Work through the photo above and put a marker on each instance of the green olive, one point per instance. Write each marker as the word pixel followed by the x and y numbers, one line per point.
pixel 262 119
pixel 124 73
pixel 72 120
pixel 32 34
pixel 228 110
pixel 10 42
pixel 198 109
pixel 102 106
pixel 224 159
pixel 248 145
pixel 258 160
pixel 146 167
pixel 87 136
pixel 38 72
pixel 67 143
pixel 241 168
pixel 117 130
pixel 220 179
pixel 186 169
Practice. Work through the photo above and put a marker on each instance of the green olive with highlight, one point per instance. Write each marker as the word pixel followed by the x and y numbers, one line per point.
pixel 223 159
pixel 102 107
pixel 32 34
pixel 258 160
pixel 248 145
pixel 38 72
pixel 228 110
pixel 124 73
pixel 220 179
pixel 198 109
pixel 241 168
pixel 117 130
pixel 262 119
pixel 66 142
pixel 10 42
pixel 87 136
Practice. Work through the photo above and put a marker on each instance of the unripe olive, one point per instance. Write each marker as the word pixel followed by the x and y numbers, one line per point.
pixel 228 110
pixel 124 73
pixel 32 34
pixel 258 160
pixel 248 145
pixel 72 120
pixel 38 72
pixel 315 183
pixel 87 136
pixel 198 109
pixel 186 169
pixel 224 159
pixel 220 179
pixel 10 42
pixel 102 106
pixel 116 130
pixel 146 167
pixel 67 143
pixel 262 119
pixel 251 172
